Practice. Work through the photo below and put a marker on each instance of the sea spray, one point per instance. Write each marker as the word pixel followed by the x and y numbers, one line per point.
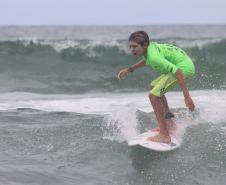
pixel 121 125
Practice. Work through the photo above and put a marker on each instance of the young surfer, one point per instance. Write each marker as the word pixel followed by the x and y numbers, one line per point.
pixel 174 65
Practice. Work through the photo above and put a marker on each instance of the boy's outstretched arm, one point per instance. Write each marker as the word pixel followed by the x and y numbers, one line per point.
pixel 124 72
pixel 182 82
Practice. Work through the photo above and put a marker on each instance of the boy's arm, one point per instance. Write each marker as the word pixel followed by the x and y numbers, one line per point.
pixel 139 64
pixel 181 80
pixel 166 66
pixel 124 72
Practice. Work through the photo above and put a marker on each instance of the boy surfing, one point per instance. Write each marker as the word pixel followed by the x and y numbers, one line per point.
pixel 174 65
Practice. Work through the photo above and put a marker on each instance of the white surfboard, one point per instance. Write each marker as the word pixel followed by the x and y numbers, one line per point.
pixel 157 146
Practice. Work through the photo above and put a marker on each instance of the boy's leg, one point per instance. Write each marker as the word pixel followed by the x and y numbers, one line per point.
pixel 167 114
pixel 170 122
pixel 160 86
pixel 165 104
pixel 158 107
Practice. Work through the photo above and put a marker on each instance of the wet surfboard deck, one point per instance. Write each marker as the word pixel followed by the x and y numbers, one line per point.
pixel 143 141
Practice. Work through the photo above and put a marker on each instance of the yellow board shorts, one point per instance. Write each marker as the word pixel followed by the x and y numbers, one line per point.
pixel 163 84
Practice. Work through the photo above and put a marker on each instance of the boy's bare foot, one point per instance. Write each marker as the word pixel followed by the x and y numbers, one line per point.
pixel 160 138
pixel 170 126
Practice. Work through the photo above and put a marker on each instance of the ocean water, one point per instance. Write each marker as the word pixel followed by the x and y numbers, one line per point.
pixel 65 119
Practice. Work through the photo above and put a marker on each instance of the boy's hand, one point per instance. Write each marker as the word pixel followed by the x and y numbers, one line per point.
pixel 123 73
pixel 189 103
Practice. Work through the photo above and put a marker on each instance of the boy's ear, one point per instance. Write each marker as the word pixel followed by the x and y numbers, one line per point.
pixel 145 45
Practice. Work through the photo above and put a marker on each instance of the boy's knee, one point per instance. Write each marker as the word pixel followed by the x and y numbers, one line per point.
pixel 152 96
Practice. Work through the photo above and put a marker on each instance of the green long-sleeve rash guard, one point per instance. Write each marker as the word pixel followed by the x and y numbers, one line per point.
pixel 167 58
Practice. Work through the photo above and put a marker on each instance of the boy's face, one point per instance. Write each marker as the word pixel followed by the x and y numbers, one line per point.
pixel 136 49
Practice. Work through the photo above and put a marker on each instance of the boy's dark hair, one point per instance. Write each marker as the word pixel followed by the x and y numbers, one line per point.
pixel 140 37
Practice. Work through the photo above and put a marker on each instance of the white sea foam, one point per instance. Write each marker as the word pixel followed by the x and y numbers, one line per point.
pixel 119 109
pixel 122 123
pixel 89 46
pixel 210 103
